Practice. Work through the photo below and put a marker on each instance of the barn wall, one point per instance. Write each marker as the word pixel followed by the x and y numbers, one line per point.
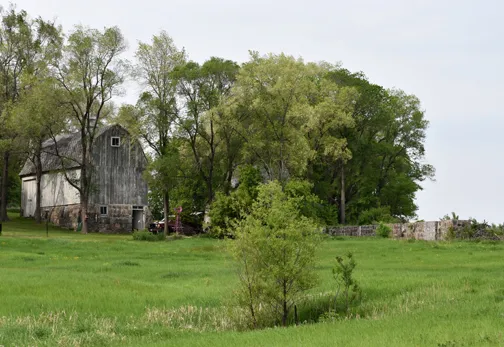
pixel 119 171
pixel 62 216
pixel 118 220
pixel 57 191
pixel 118 184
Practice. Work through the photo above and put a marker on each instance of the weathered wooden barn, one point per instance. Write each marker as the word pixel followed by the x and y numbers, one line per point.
pixel 118 201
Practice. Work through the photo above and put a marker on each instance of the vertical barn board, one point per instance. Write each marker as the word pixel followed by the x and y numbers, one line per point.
pixel 119 170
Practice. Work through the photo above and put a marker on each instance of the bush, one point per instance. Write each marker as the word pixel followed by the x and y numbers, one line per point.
pixel 475 230
pixel 347 287
pixel 383 231
pixel 147 236
pixel 228 208
pixel 275 252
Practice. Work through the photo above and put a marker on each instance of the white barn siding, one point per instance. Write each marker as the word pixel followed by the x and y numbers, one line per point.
pixel 29 196
pixel 56 191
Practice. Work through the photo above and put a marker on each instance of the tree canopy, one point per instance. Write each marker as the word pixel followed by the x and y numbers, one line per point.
pixel 214 130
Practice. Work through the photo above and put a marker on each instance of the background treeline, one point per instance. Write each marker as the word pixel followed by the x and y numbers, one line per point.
pixel 213 131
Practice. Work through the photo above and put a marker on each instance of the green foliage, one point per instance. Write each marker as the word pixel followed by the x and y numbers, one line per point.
pixel 384 165
pixel 226 209
pixel 203 121
pixel 147 236
pixel 295 121
pixel 357 146
pixel 376 215
pixel 475 230
pixel 27 47
pixel 14 191
pixel 453 216
pixel 181 292
pixel 450 234
pixel 347 288
pixel 279 99
pixel 383 230
pixel 155 199
pixel 275 251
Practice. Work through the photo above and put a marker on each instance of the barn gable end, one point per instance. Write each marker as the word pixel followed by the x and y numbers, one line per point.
pixel 118 201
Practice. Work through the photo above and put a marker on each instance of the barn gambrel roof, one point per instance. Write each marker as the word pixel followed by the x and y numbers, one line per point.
pixel 69 148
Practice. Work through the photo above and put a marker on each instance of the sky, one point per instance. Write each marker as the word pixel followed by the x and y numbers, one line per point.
pixel 448 53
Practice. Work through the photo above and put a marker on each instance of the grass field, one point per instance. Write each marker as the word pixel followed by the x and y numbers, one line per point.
pixel 108 290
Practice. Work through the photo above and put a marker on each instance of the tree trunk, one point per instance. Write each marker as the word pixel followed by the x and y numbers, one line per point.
pixel 342 196
pixel 210 187
pixel 84 182
pixel 285 308
pixel 84 216
pixel 5 186
pixel 38 173
pixel 166 211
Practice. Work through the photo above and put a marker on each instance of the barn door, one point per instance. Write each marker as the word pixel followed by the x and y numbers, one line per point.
pixel 138 218
pixel 29 197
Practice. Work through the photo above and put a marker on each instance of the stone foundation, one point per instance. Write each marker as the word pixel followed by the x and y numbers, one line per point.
pixel 117 220
pixel 62 216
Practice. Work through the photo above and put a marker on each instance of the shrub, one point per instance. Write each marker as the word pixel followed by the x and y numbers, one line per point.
pixel 228 208
pixel 476 231
pixel 347 287
pixel 453 216
pixel 147 236
pixel 383 230
pixel 450 234
pixel 275 251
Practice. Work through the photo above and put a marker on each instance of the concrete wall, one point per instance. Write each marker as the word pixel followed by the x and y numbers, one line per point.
pixel 429 231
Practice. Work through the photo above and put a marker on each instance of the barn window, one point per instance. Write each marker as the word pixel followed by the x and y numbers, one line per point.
pixel 116 141
pixel 103 210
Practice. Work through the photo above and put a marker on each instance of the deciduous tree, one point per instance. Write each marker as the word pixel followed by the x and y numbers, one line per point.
pixel 153 119
pixel 39 114
pixel 204 90
pixel 275 250
pixel 26 45
pixel 90 72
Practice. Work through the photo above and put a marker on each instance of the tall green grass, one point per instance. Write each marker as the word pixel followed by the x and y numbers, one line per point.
pixel 70 289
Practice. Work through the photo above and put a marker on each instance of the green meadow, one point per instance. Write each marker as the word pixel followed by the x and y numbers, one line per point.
pixel 68 289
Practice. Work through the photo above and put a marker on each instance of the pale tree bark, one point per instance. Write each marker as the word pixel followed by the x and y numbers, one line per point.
pixel 342 195
pixel 38 174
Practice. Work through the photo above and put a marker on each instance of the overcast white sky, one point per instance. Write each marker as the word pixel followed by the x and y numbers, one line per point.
pixel 448 53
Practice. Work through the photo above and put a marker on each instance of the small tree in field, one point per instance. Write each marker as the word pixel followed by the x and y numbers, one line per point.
pixel 275 249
